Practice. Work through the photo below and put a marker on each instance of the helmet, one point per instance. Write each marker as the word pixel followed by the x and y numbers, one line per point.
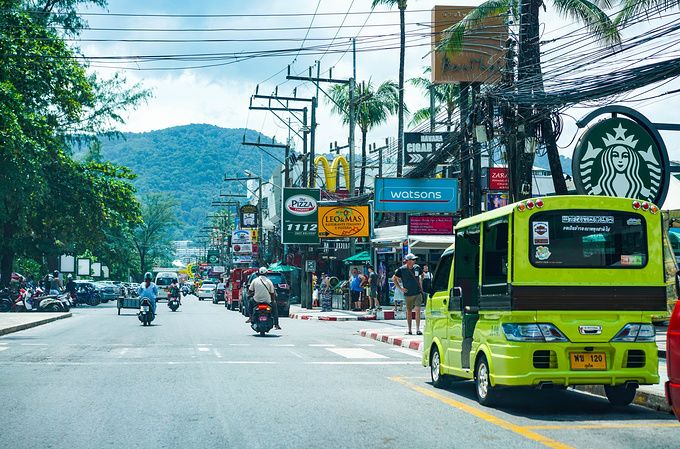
pixel 262 270
pixel 56 273
pixel 147 275
pixel 70 277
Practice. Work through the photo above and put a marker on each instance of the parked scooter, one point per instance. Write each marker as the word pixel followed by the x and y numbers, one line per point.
pixel 145 314
pixel 173 303
pixel 65 301
pixel 262 320
pixel 33 301
pixel 6 302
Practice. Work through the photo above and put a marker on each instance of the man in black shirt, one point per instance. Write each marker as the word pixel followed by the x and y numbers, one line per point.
pixel 407 279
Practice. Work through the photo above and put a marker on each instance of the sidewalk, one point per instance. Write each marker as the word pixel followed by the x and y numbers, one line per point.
pixel 14 322
pixel 649 396
pixel 299 313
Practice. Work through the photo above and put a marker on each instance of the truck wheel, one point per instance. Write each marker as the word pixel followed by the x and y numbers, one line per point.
pixel 487 394
pixel 439 380
pixel 620 396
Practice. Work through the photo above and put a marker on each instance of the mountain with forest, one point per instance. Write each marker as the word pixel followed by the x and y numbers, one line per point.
pixel 188 163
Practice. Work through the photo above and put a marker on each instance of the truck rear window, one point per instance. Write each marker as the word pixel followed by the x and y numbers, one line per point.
pixel 587 239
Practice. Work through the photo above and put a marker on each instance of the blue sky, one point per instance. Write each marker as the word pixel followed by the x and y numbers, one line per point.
pixel 220 95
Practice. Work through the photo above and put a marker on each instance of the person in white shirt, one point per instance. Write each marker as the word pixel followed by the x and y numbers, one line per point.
pixel 263 291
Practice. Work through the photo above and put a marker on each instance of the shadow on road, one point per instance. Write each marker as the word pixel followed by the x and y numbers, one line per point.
pixel 558 405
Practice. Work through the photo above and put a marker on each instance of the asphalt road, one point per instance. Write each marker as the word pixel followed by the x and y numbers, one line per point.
pixel 199 378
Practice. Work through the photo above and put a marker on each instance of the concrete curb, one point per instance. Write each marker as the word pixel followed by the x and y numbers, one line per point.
pixel 24 326
pixel 302 316
pixel 416 345
pixel 643 398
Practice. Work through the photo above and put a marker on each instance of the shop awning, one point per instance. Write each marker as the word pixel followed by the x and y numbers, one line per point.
pixel 363 256
pixel 278 268
pixel 389 236
pixel 430 241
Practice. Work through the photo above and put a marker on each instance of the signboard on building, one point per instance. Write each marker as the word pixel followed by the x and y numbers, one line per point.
pixel 83 267
pixel 344 221
pixel 218 269
pixel 67 264
pixel 430 225
pixel 310 266
pixel 498 178
pixel 482 59
pixel 416 195
pixel 496 200
pixel 253 235
pixel 248 216
pixel 240 237
pixel 96 269
pixel 619 157
pixel 213 256
pixel 243 259
pixel 419 145
pixel 242 248
pixel 299 219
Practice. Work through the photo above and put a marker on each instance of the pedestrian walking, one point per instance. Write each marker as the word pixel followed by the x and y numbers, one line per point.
pixel 426 279
pixel 355 290
pixel 407 279
pixel 373 302
pixel 326 294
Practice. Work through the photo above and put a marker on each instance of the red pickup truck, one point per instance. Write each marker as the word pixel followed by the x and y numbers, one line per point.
pixel 673 361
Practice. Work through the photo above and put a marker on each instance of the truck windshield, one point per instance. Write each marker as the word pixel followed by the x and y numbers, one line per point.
pixel 587 239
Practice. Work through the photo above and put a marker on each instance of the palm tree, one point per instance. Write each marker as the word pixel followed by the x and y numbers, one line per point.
pixel 401 4
pixel 372 108
pixel 631 9
pixel 596 21
pixel 445 97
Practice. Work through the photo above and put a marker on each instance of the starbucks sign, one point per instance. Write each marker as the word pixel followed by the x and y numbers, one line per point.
pixel 620 157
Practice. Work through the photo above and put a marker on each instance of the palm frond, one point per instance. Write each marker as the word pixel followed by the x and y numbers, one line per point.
pixel 632 9
pixel 452 40
pixel 420 116
pixel 595 19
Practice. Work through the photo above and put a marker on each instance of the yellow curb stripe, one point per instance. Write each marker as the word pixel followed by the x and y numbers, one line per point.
pixel 519 430
pixel 603 426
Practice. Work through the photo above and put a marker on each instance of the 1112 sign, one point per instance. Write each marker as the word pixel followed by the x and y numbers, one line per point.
pixel 312 227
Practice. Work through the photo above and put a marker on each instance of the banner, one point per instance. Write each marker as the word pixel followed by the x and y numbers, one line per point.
pixel 498 179
pixel 299 219
pixel 430 225
pixel 240 237
pixel 344 221
pixel 416 195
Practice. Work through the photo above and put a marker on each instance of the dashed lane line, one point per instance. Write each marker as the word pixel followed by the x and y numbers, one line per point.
pixel 202 349
pixel 2 348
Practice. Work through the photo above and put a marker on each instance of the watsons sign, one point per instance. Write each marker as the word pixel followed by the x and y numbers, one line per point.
pixel 622 157
pixel 416 195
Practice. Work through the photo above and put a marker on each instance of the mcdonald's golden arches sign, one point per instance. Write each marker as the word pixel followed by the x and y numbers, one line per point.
pixel 344 221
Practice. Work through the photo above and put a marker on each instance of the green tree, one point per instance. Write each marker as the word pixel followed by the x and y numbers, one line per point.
pixel 151 237
pixel 529 74
pixel 401 4
pixel 373 107
pixel 48 201
pixel 445 98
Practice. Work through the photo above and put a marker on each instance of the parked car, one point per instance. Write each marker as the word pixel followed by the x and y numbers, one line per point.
pixel 282 293
pixel 218 295
pixel 206 290
pixel 87 293
pixel 107 291
pixel 673 361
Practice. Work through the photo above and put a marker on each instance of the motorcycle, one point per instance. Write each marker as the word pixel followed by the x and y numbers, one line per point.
pixel 34 301
pixel 145 314
pixel 173 303
pixel 263 320
pixel 65 301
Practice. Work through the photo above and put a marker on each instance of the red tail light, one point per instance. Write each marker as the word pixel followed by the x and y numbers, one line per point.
pixel 283 285
pixel 645 205
pixel 263 307
pixel 636 204
pixel 530 204
pixel 539 203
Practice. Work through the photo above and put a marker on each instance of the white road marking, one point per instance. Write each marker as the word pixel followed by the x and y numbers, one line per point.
pixel 364 345
pixel 387 362
pixel 33 344
pixel 322 345
pixel 2 348
pixel 123 351
pixel 204 344
pixel 407 351
pixel 239 344
pixel 204 349
pixel 356 353
pixel 214 362
pixel 284 346
pixel 217 353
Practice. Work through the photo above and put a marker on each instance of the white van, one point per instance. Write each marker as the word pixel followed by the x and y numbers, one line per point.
pixel 163 281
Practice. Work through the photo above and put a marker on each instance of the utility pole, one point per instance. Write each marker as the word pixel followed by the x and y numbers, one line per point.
pixel 477 156
pixel 380 155
pixel 433 107
pixel 464 155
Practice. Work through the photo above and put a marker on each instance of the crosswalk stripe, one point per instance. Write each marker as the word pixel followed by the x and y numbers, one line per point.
pixel 356 353
pixel 410 352
pixel 321 345
pixel 2 348
pixel 204 349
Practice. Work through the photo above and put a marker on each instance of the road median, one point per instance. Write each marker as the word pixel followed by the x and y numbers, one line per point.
pixel 15 322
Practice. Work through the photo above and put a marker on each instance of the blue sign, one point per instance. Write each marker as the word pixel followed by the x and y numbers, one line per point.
pixel 416 195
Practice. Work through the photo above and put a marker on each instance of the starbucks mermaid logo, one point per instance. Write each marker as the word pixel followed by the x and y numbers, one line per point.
pixel 617 157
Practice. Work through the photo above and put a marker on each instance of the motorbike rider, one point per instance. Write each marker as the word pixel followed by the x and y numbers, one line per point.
pixel 174 291
pixel 55 283
pixel 148 290
pixel 70 287
pixel 263 291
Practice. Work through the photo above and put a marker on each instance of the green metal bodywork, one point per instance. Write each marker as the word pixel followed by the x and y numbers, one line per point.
pixel 512 363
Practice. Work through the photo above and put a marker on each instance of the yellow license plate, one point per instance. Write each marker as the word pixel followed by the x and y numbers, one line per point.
pixel 588 360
